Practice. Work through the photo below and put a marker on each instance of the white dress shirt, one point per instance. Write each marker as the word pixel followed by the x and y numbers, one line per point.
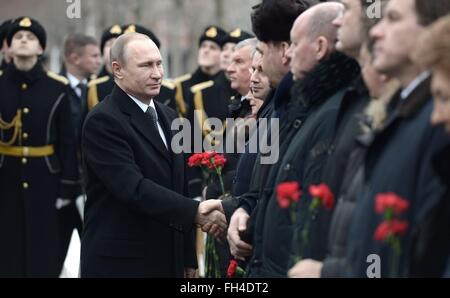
pixel 74 82
pixel 144 108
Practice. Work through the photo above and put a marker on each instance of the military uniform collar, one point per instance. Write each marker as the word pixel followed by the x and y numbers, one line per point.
pixel 34 74
pixel 203 77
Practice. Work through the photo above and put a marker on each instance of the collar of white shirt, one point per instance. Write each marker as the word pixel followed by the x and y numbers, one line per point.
pixel 413 85
pixel 74 81
pixel 144 106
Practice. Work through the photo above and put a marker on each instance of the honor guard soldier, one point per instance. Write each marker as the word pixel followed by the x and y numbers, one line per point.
pixel 38 166
pixel 210 44
pixel 99 88
pixel 108 37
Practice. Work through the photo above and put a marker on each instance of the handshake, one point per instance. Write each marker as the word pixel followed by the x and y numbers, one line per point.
pixel 211 218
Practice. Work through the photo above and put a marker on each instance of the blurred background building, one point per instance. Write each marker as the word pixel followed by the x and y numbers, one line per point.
pixel 177 23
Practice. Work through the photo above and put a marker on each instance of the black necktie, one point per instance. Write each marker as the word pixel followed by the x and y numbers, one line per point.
pixel 83 88
pixel 151 113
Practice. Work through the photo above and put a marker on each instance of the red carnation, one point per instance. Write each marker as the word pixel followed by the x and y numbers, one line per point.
pixel 195 160
pixel 390 228
pixel 324 194
pixel 219 160
pixel 287 193
pixel 232 268
pixel 386 201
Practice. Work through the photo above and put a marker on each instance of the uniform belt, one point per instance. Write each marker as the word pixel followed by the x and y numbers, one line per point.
pixel 23 151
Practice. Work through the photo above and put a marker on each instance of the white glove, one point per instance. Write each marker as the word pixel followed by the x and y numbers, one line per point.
pixel 79 202
pixel 61 203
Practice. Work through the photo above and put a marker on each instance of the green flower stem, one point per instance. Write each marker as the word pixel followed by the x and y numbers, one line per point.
pixel 396 252
pixel 219 173
pixel 212 259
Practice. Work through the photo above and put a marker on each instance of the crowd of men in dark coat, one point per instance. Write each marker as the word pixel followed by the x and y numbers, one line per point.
pixel 361 109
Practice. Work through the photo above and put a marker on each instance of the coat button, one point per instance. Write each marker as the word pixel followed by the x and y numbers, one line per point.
pixel 25 136
pixel 25 185
pixel 24 161
pixel 287 167
pixel 298 123
pixel 24 86
pixel 26 110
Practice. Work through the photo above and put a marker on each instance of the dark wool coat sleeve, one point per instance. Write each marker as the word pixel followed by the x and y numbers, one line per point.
pixel 66 147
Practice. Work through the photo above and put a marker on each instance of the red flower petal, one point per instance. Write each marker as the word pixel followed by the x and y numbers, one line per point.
pixel 195 160
pixel 231 271
pixel 288 192
pixel 324 194
pixel 385 201
pixel 399 227
pixel 387 228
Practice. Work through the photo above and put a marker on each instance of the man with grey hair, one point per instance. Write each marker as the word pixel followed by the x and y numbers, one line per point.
pixel 138 221
pixel 241 63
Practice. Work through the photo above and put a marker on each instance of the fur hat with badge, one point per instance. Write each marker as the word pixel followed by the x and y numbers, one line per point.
pixel 237 35
pixel 214 34
pixel 111 32
pixel 28 24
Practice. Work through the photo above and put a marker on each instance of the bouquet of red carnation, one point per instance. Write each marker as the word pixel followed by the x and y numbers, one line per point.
pixel 288 196
pixel 322 197
pixel 212 163
pixel 391 206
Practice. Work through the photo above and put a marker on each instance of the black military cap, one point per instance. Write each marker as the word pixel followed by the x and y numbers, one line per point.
pixel 111 32
pixel 140 29
pixel 214 34
pixel 4 30
pixel 28 24
pixel 237 35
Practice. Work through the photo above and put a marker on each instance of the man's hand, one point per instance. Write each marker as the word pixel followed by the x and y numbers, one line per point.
pixel 211 218
pixel 306 269
pixel 238 224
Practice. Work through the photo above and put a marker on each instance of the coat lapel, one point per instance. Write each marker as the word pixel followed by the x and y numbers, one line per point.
pixel 416 100
pixel 140 121
pixel 177 159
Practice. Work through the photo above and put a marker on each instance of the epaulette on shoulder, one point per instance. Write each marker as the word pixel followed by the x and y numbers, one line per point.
pixel 168 84
pixel 58 78
pixel 201 86
pixel 99 81
pixel 183 78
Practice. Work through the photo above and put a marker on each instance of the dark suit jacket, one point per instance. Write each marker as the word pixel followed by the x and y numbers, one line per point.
pixel 78 109
pixel 137 221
